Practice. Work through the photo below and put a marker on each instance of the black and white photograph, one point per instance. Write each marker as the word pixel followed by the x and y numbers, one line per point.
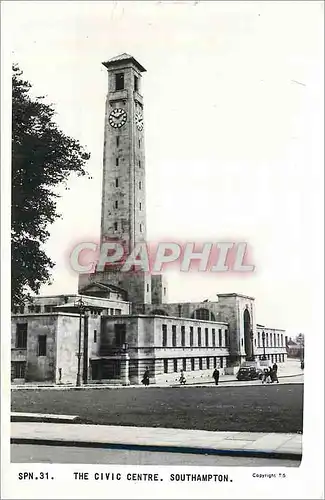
pixel 162 237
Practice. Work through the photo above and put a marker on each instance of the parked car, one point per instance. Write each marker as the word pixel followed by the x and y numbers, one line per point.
pixel 250 370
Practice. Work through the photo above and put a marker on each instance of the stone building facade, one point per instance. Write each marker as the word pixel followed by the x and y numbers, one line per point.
pixel 128 323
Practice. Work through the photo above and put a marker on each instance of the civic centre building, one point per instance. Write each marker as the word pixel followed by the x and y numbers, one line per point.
pixel 120 323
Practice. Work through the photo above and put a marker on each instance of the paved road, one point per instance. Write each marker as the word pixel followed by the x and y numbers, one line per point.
pixel 22 453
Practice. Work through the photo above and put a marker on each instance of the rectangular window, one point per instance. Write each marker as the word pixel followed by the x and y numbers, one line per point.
pixel 19 369
pixel 22 309
pixel 183 336
pixel 175 365
pixel 115 226
pixel 165 365
pixel 214 362
pixel 116 203
pixel 282 339
pixel 116 161
pixel 140 184
pixel 117 141
pixel 278 336
pixel 118 312
pixel 140 228
pixel 258 339
pixel 31 309
pixel 41 345
pixel 192 364
pixel 111 311
pixel 184 364
pixel 174 340
pixel 207 337
pixel 139 163
pixel 139 143
pixel 199 339
pixel 120 334
pixel 95 336
pixel 140 206
pixel 21 335
pixel 208 363
pixel 200 363
pixel 213 337
pixel 164 336
pixel 164 291
pixel 116 182
pixel 119 81
pixel 220 337
pixel 37 309
pixel 191 336
pixel 148 287
pixel 136 83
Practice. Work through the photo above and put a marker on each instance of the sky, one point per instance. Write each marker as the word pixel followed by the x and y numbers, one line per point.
pixel 233 131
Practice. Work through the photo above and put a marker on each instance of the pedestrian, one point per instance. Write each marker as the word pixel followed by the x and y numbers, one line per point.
pixel 145 379
pixel 275 373
pixel 182 379
pixel 266 376
pixel 216 375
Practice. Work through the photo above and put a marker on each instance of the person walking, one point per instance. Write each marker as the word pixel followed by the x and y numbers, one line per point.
pixel 182 379
pixel 145 379
pixel 275 373
pixel 216 375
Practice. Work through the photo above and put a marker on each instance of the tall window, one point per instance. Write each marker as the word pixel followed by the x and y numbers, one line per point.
pixel 41 351
pixel 117 141
pixel 115 226
pixel 259 338
pixel 120 334
pixel 116 203
pixel 207 337
pixel 164 336
pixel 116 161
pixel 174 343
pixel 119 81
pixel 213 337
pixel 140 184
pixel 208 363
pixel 281 339
pixel 139 163
pixel 140 206
pixel 175 365
pixel 116 182
pixel 95 336
pixel 184 364
pixel 140 228
pixel 191 336
pixel 220 337
pixel 183 336
pixel 19 369
pixel 21 335
pixel 200 363
pixel 192 364
pixel 227 338
pixel 118 312
pixel 165 365
pixel 199 339
pixel 267 340
pixel 136 83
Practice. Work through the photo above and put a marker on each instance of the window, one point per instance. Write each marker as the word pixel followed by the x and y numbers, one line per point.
pixel 31 309
pixel 19 369
pixel 117 141
pixel 120 334
pixel 207 337
pixel 208 363
pixel 116 182
pixel 140 184
pixel 41 345
pixel 242 342
pixel 255 342
pixel 15 310
pixel 199 339
pixel 139 143
pixel 192 364
pixel 174 342
pixel 278 340
pixel 118 312
pixel 37 309
pixel 140 228
pixel 116 161
pixel 21 335
pixel 282 339
pixel 220 337
pixel 111 311
pixel 139 163
pixel 148 287
pixel 213 337
pixel 22 309
pixel 227 338
pixel 164 291
pixel 184 364
pixel 116 203
pixel 191 336
pixel 214 362
pixel 183 336
pixel 164 336
pixel 119 81
pixel 259 338
pixel 136 83
pixel 48 309
pixel 200 363
pixel 165 365
pixel 175 365
pixel 267 340
pixel 115 226
pixel 95 336
pixel 140 206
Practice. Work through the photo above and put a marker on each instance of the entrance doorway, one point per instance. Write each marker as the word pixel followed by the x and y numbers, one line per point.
pixel 247 335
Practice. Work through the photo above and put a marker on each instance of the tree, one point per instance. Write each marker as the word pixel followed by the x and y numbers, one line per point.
pixel 43 158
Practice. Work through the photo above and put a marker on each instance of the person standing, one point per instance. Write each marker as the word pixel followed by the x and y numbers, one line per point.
pixel 216 375
pixel 275 373
pixel 145 379
pixel 182 379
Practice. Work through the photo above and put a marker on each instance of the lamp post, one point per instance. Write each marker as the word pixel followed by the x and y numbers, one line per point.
pixel 263 340
pixel 81 306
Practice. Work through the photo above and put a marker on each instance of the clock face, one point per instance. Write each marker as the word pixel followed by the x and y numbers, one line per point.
pixel 139 121
pixel 117 118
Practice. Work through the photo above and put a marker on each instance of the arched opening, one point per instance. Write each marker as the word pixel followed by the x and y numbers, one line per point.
pixel 159 312
pixel 247 335
pixel 203 314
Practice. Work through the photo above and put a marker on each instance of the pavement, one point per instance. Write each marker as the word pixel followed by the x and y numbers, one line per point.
pixel 250 444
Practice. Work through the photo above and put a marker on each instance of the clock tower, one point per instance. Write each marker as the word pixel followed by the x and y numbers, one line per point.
pixel 123 212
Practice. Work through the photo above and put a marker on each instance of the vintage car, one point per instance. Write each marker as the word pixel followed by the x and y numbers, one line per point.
pixel 250 370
